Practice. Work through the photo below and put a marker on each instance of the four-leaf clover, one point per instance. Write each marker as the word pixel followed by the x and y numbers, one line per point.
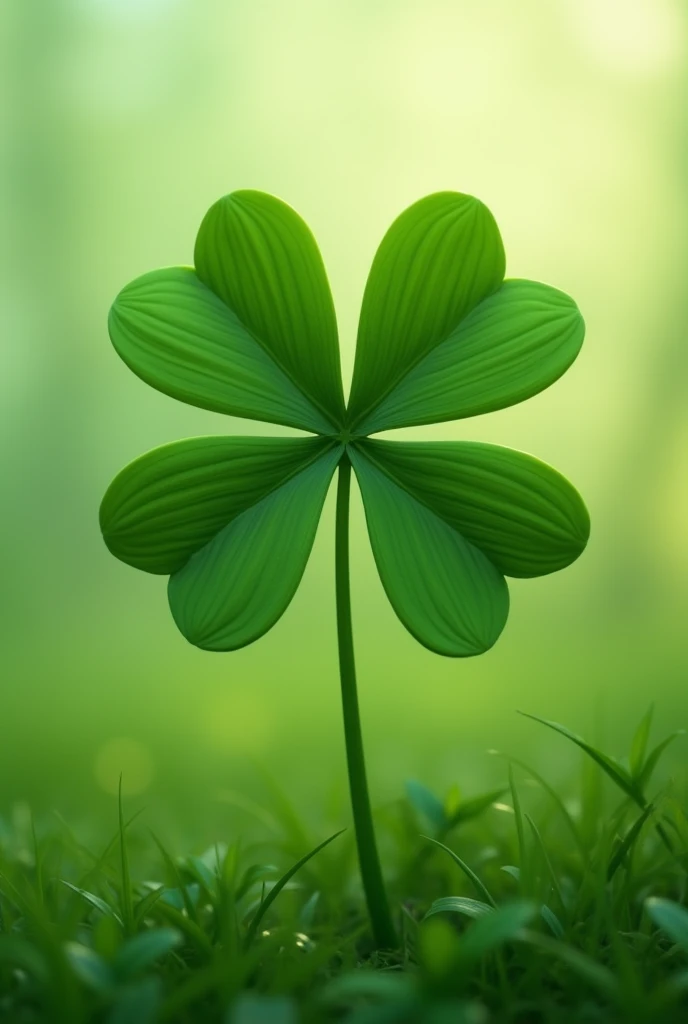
pixel 251 332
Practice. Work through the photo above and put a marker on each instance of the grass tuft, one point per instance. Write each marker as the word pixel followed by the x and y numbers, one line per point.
pixel 580 914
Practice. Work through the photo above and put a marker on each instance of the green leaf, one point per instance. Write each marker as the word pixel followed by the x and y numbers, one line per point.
pixel 261 259
pixel 616 772
pixel 459 905
pixel 438 260
pixel 494 929
pixel 89 967
pixel 437 949
pixel 366 984
pixel 169 503
pixel 180 896
pixel 671 917
pixel 677 983
pixel 144 949
pixel 444 590
pixel 24 953
pixel 258 1009
pixel 514 344
pixel 524 515
pixel 426 803
pixel 236 587
pixel 179 337
pixel 466 810
pixel 139 1003
pixel 308 911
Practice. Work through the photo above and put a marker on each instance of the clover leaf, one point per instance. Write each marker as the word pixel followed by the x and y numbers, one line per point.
pixel 251 332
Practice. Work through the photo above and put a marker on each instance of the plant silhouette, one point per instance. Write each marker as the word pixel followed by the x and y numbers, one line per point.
pixel 251 332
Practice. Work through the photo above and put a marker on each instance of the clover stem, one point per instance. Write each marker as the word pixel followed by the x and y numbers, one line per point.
pixel 369 861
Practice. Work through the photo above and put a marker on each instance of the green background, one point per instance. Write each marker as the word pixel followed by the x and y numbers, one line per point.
pixel 123 121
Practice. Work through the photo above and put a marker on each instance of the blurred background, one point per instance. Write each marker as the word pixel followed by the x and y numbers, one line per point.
pixel 122 121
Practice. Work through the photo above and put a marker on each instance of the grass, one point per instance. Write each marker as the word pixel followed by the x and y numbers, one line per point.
pixel 518 905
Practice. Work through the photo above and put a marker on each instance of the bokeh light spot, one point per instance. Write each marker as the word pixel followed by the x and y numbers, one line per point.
pixel 237 722
pixel 125 757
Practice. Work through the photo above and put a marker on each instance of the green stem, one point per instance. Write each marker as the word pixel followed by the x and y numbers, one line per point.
pixel 371 874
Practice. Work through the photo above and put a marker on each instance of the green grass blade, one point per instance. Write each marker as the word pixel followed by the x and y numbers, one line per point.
pixel 653 758
pixel 254 873
pixel 466 811
pixel 227 929
pixel 172 869
pixel 616 772
pixel 251 807
pixel 95 901
pixel 279 885
pixel 308 910
pixel 494 929
pixel 552 921
pixel 12 893
pixel 40 893
pixel 459 905
pixel 146 903
pixel 626 844
pixel 100 862
pixel 127 897
pixel 639 743
pixel 520 833
pixel 205 877
pixel 471 875
pixel 596 974
pixel 546 858
pixel 573 828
